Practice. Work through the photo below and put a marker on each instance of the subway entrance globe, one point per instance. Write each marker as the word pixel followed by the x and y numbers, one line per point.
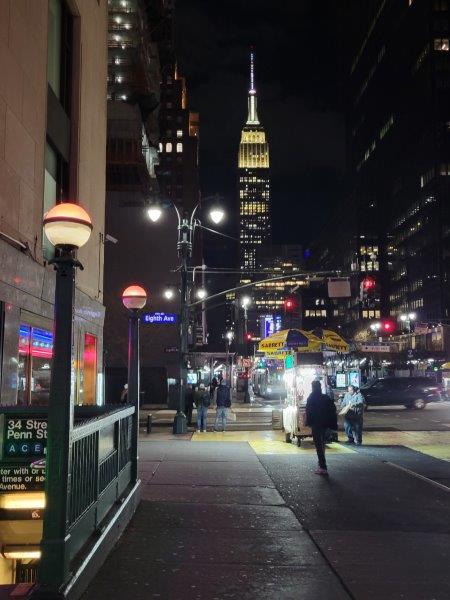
pixel 67 225
pixel 134 297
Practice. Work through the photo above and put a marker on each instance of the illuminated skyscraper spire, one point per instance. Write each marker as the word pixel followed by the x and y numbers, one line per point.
pixel 252 100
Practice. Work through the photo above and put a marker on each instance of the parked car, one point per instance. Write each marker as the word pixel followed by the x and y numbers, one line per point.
pixel 412 392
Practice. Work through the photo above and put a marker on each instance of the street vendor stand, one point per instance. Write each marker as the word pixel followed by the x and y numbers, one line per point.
pixel 302 353
pixel 302 369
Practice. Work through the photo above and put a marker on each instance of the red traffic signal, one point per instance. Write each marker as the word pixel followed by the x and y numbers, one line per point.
pixel 368 284
pixel 289 304
pixel 248 336
pixel 387 326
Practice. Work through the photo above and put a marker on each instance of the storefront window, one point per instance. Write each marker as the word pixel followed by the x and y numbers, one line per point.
pixel 88 371
pixel 35 361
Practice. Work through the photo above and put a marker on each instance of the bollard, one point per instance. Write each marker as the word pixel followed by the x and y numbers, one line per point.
pixel 149 423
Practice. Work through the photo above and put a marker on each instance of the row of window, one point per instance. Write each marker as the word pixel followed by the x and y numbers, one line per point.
pixel 169 147
pixel 315 313
pixel 371 314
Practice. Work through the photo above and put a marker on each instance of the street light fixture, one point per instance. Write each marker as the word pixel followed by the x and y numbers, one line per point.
pixel 246 301
pixel 154 213
pixel 217 215
pixel 187 224
pixel 68 227
pixel 169 294
pixel 201 294
pixel 134 298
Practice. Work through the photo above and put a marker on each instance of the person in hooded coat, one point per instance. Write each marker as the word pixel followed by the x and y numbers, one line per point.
pixel 320 416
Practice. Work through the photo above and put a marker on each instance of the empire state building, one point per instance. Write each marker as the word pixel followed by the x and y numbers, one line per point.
pixel 253 184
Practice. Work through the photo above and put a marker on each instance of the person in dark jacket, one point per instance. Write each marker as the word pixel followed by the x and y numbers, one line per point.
pixel 189 403
pixel 320 416
pixel 212 388
pixel 223 403
pixel 202 401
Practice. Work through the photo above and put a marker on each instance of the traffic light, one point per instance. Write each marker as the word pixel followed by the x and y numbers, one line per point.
pixel 368 284
pixel 367 292
pixel 388 326
pixel 248 337
pixel 289 304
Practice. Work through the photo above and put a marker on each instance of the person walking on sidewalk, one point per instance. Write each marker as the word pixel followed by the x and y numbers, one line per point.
pixel 320 416
pixel 223 403
pixel 352 407
pixel 202 401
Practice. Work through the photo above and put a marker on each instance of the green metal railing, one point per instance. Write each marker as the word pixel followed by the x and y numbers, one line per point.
pixel 101 477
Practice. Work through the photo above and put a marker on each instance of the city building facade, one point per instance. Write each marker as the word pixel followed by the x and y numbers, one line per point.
pixel 152 157
pixel 52 149
pixel 253 184
pixel 396 224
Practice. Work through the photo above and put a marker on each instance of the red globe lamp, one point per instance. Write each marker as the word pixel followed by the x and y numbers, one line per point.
pixel 134 297
pixel 67 225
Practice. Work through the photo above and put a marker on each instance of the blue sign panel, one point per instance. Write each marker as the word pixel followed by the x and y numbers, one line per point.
pixel 160 317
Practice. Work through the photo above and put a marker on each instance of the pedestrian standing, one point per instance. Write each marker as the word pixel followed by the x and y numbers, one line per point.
pixel 189 403
pixel 212 388
pixel 223 403
pixel 320 416
pixel 352 407
pixel 202 401
pixel 124 394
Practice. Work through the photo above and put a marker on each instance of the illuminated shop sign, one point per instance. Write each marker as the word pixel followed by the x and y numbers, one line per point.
pixel 270 325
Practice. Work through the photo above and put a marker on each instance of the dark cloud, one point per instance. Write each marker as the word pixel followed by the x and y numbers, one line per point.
pixel 298 74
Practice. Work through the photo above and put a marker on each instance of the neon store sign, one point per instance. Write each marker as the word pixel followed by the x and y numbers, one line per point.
pixel 35 342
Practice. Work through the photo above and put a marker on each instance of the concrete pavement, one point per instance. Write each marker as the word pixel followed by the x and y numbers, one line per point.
pixel 226 519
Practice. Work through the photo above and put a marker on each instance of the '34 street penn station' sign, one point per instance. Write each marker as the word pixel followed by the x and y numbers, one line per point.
pixel 23 441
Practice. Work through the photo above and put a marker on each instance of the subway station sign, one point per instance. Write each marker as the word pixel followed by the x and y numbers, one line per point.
pixel 23 442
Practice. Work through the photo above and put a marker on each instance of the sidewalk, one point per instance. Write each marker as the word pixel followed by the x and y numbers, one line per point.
pixel 212 526
pixel 248 520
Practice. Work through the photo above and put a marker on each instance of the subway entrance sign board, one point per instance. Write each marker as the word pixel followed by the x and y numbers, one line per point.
pixel 23 441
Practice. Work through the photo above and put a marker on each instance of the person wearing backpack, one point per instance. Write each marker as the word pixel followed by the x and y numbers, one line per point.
pixel 202 401
pixel 352 407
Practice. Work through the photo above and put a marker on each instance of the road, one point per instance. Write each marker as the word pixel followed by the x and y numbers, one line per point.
pixel 434 417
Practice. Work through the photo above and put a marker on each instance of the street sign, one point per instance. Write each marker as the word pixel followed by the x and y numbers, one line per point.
pixel 22 437
pixel 375 348
pixel 160 318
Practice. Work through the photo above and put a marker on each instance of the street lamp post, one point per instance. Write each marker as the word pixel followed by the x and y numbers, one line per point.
pixel 68 227
pixel 134 299
pixel 186 230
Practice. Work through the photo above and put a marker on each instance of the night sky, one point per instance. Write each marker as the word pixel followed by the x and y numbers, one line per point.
pixel 298 78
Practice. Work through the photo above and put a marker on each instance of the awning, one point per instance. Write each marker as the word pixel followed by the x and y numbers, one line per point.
pixel 290 339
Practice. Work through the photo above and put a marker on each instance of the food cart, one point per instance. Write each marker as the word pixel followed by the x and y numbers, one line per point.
pixel 302 353
pixel 301 370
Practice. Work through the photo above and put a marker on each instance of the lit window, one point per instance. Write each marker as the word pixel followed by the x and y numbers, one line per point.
pixel 179 133
pixel 160 147
pixel 179 147
pixel 169 147
pixel 441 44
